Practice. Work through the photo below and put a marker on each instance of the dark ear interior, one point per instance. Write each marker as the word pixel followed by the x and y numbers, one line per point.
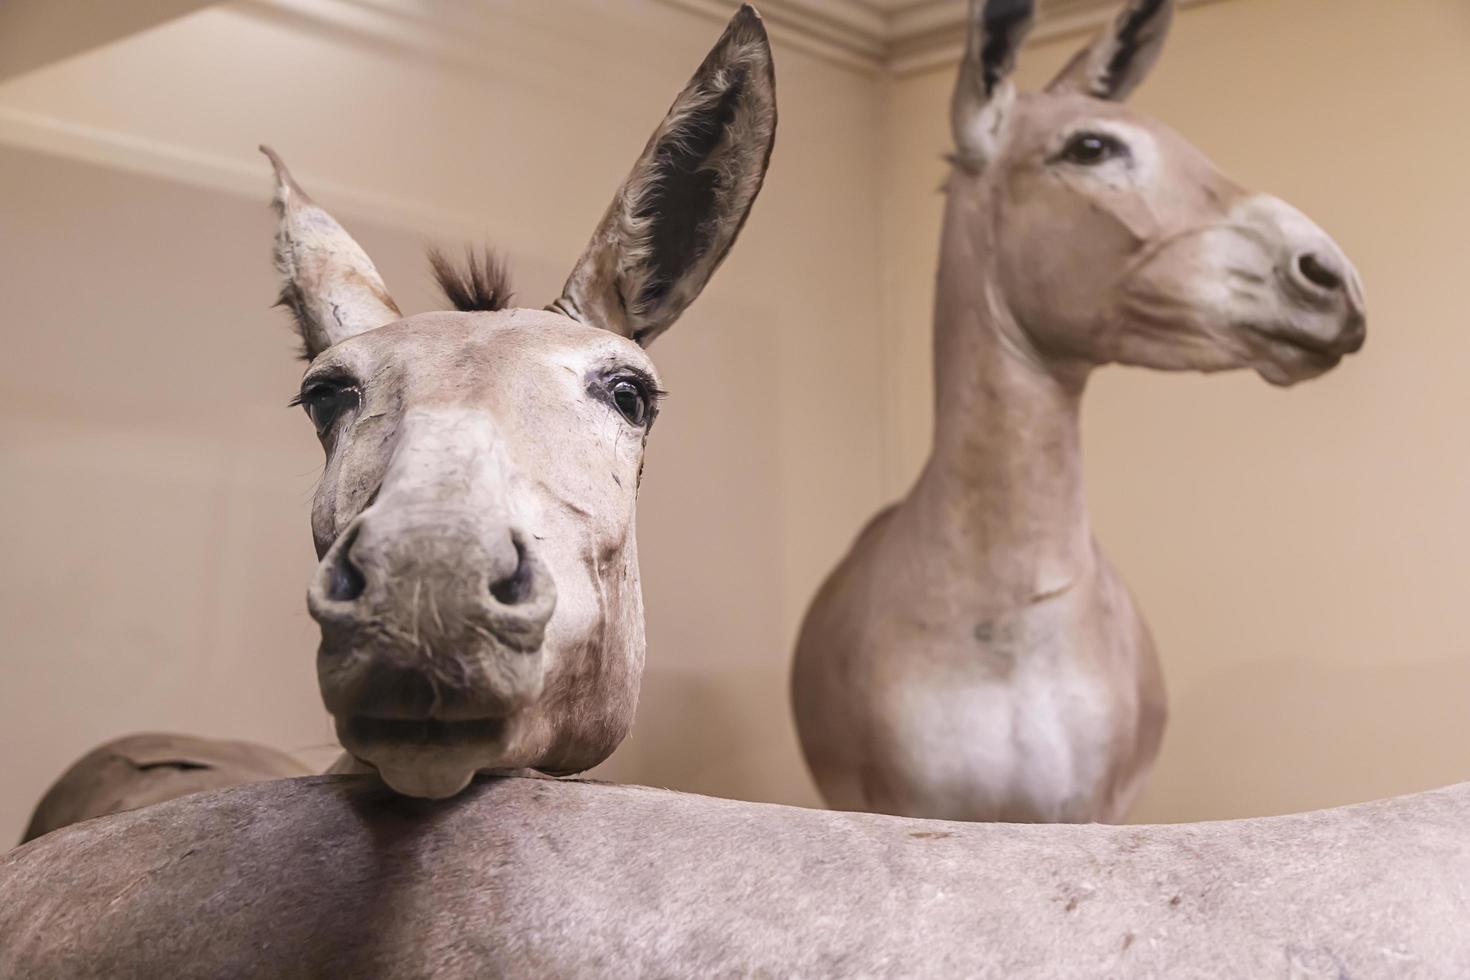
pixel 1114 64
pixel 680 206
pixel 1132 36
pixel 995 32
pixel 687 196
pixel 1003 27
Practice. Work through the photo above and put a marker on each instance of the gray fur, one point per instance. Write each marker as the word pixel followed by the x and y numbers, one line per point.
pixel 146 768
pixel 332 877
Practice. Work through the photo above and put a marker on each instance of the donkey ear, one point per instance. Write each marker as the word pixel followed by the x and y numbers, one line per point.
pixel 680 209
pixel 327 280
pixel 983 95
pixel 1114 64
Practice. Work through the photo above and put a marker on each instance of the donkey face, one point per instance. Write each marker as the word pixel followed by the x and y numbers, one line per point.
pixel 1118 240
pixel 478 590
pixel 478 594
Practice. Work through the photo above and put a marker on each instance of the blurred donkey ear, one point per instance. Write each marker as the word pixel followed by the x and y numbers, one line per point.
pixel 983 93
pixel 679 211
pixel 327 280
pixel 1113 65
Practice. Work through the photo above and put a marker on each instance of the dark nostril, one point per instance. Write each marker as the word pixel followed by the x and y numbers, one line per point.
pixel 345 582
pixel 1317 273
pixel 516 587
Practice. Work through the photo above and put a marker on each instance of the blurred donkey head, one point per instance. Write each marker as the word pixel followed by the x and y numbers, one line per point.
pixel 1111 238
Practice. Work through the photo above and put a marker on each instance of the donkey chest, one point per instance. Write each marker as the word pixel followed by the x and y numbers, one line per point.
pixel 1011 713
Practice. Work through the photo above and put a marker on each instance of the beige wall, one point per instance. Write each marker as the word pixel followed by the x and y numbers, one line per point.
pixel 1300 554
pixel 1303 556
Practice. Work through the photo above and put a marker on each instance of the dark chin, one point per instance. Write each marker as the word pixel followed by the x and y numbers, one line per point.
pixel 1284 361
pixel 402 742
pixel 1283 372
pixel 429 733
pixel 431 759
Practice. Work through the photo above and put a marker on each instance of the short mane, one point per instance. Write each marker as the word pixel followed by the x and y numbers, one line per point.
pixel 483 283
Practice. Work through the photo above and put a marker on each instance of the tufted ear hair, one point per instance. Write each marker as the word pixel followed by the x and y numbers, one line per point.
pixel 688 195
pixel 1114 64
pixel 983 93
pixel 327 280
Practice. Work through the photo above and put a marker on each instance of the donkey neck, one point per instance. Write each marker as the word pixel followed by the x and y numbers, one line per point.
pixel 1005 473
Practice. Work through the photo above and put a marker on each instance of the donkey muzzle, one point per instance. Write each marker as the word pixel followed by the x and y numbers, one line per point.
pixel 432 623
pixel 1322 307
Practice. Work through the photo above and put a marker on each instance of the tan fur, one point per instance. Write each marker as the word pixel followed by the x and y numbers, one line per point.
pixel 327 281
pixel 975 656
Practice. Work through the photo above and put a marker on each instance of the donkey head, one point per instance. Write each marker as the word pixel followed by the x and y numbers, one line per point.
pixel 478 591
pixel 1111 238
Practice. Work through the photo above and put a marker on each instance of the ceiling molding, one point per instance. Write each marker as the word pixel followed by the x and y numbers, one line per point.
pixel 850 33
pixel 901 37
pixel 36 33
pixel 242 177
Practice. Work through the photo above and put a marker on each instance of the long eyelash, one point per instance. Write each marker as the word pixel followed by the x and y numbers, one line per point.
pixel 656 396
pixel 651 386
pixel 655 391
pixel 332 379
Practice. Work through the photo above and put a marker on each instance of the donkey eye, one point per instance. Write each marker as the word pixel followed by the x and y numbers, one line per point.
pixel 326 401
pixel 631 399
pixel 1091 149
